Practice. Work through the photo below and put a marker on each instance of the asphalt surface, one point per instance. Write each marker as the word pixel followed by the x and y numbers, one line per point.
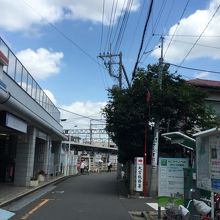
pixel 92 197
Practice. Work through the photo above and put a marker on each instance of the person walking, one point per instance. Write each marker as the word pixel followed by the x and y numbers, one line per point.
pixel 109 166
pixel 82 167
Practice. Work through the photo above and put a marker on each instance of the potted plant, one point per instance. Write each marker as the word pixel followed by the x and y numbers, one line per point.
pixel 34 181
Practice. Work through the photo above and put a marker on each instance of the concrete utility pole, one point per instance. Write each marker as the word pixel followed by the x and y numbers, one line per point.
pixel 154 157
pixel 109 65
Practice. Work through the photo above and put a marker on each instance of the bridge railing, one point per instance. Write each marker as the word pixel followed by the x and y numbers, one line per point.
pixel 23 78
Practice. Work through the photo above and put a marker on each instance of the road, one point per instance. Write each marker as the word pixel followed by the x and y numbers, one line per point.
pixel 92 197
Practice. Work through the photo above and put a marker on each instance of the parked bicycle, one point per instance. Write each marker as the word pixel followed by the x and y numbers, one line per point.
pixel 203 210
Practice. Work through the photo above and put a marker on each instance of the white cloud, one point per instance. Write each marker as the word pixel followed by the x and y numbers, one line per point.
pixel 41 63
pixel 202 75
pixel 194 25
pixel 51 96
pixel 23 15
pixel 89 109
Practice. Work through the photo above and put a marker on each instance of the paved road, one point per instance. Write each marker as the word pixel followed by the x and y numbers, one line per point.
pixel 86 197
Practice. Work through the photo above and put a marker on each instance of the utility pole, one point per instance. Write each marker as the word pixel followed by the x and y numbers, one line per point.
pixel 109 65
pixel 154 157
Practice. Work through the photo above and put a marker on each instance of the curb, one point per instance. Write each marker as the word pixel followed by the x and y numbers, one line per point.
pixel 55 182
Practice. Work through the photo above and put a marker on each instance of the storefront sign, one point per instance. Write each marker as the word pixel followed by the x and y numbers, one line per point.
pixel 138 173
pixel 15 123
pixel 171 176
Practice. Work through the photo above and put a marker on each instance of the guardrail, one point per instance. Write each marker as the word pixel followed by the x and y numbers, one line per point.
pixel 23 78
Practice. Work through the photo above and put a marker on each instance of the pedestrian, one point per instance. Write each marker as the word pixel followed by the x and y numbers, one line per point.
pixel 82 167
pixel 109 166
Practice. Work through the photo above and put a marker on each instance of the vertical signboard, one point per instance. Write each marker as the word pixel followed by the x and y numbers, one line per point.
pixel 203 165
pixel 138 173
pixel 171 176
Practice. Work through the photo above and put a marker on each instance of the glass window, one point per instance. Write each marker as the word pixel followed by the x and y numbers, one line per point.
pixel 18 72
pixel 4 49
pixel 38 94
pixel 29 84
pixel 24 79
pixel 11 65
pixel 41 97
pixel 34 88
pixel 44 100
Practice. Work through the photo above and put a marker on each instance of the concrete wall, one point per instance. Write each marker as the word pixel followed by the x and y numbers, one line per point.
pixel 24 162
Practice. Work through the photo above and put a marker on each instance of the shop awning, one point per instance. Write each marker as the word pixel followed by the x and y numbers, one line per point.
pixel 181 139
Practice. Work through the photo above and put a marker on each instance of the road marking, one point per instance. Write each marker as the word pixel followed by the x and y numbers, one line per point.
pixel 155 206
pixel 35 208
pixel 4 214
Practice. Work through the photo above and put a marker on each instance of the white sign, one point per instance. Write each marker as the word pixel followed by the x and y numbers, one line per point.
pixel 15 123
pixel 171 176
pixel 208 173
pixel 138 174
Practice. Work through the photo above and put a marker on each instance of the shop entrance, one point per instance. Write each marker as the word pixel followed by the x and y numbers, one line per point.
pixel 8 145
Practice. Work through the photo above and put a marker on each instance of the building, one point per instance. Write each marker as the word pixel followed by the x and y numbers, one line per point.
pixel 212 88
pixel 30 130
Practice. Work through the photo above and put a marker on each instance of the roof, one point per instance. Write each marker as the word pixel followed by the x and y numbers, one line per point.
pixel 207 132
pixel 181 139
pixel 204 83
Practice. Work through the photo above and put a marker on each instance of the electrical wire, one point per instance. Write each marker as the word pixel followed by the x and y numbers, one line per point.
pixel 142 39
pixel 110 25
pixel 160 13
pixel 195 69
pixel 185 35
pixel 177 26
pixel 63 35
pixel 83 116
pixel 201 45
pixel 200 35
pixel 103 13
pixel 113 22
pixel 136 28
pixel 120 20
pixel 123 25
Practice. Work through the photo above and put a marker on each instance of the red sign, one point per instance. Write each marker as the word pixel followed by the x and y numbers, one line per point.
pixel 3 59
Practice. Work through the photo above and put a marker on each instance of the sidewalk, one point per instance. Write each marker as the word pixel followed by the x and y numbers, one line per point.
pixel 10 192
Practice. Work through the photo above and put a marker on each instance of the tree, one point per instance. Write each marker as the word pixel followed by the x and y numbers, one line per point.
pixel 177 105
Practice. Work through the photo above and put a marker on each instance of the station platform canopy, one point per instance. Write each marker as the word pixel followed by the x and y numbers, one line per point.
pixel 181 139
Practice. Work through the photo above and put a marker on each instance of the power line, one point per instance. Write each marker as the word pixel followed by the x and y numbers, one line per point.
pixel 200 35
pixel 120 17
pixel 202 45
pixel 136 28
pixel 185 35
pixel 142 39
pixel 162 7
pixel 178 24
pixel 195 69
pixel 113 21
pixel 103 12
pixel 123 25
pixel 83 116
pixel 110 26
pixel 63 35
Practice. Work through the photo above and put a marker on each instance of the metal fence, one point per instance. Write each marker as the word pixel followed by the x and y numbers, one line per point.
pixel 23 78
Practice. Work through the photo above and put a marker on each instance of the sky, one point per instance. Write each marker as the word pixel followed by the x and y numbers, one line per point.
pixel 59 42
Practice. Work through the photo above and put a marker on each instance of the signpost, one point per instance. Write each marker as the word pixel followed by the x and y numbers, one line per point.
pixel 171 176
pixel 138 174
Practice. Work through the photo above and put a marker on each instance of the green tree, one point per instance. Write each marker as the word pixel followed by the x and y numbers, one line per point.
pixel 177 105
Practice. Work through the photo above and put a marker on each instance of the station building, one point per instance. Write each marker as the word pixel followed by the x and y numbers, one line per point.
pixel 30 129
